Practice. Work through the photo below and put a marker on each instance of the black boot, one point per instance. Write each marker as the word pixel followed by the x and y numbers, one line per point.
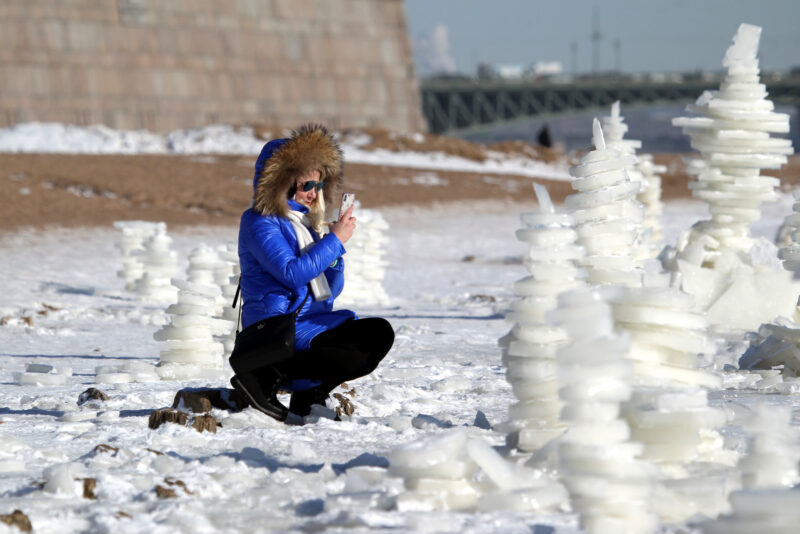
pixel 302 401
pixel 261 390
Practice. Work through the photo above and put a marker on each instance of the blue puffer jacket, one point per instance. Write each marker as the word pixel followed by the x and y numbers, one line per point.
pixel 275 276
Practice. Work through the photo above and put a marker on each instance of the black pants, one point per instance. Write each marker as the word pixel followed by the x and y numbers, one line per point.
pixel 351 350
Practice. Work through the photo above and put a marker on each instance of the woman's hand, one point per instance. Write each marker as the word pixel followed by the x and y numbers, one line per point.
pixel 343 228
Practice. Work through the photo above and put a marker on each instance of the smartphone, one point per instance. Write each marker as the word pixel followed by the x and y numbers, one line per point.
pixel 347 200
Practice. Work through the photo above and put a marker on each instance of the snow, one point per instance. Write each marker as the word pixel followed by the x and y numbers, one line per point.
pixel 448 291
pixel 436 403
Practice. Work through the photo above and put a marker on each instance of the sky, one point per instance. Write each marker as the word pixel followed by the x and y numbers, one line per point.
pixel 652 35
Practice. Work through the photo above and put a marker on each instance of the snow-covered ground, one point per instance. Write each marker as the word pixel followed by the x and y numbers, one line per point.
pixel 449 289
pixel 450 271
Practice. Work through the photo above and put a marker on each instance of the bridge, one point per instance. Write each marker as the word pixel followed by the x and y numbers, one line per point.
pixel 461 105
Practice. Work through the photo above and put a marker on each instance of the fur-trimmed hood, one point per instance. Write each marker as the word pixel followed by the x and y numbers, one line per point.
pixel 282 161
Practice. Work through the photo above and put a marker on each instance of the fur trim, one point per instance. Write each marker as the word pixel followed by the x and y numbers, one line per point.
pixel 309 148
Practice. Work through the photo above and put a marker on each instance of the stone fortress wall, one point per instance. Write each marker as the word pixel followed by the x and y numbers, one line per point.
pixel 168 64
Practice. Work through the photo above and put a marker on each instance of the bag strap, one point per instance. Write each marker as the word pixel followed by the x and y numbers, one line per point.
pixel 297 311
pixel 237 297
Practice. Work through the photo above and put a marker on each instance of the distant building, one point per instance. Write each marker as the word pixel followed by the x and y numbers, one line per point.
pixel 163 65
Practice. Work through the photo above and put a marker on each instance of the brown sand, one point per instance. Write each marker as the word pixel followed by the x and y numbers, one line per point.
pixel 42 190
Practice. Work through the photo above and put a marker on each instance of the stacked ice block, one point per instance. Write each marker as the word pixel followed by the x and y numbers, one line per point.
pixel 679 432
pixel 650 196
pixel 777 343
pixel 530 351
pixel 773 511
pixel 159 265
pixel 668 412
pixel 134 235
pixel 208 269
pixel 230 260
pixel 437 473
pixel 675 425
pixel 204 262
pixel 733 135
pixel 614 129
pixel 457 472
pixel 772 453
pixel 608 218
pixel 769 500
pixel 365 266
pixel 790 253
pixel 668 334
pixel 191 348
pixel 788 237
pixel 733 276
pixel 609 487
pixel 38 374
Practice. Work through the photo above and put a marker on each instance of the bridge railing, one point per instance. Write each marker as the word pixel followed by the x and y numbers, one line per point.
pixel 454 105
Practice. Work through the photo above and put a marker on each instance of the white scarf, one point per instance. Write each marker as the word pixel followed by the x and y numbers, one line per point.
pixel 319 285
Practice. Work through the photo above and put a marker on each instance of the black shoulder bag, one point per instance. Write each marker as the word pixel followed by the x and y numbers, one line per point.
pixel 266 342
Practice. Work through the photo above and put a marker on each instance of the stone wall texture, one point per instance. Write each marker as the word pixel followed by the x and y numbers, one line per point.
pixel 169 64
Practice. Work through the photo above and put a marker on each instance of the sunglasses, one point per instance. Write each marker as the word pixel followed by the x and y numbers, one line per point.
pixel 312 184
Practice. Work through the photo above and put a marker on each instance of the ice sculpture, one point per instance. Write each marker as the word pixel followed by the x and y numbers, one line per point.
pixel 772 454
pixel 732 275
pixel 365 266
pixel 614 129
pixel 38 374
pixel 650 196
pixel 644 171
pixel 668 412
pixel 191 349
pixel 668 335
pixel 203 264
pixel 790 254
pixel 738 291
pixel 679 433
pixel 131 371
pixel 777 344
pixel 733 136
pixel 436 473
pixel 529 349
pixel 609 487
pixel 13 454
pixel 788 237
pixel 229 268
pixel 134 235
pixel 453 471
pixel 769 469
pixel 607 215
pixel 160 264
pixel 773 511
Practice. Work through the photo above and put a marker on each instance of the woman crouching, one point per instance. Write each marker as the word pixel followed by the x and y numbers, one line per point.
pixel 291 261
